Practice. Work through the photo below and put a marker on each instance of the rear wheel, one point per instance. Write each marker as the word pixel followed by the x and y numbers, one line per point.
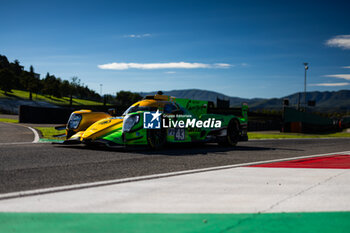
pixel 156 138
pixel 232 135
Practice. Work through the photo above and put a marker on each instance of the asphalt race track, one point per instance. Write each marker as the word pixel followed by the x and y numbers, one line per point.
pixel 12 133
pixel 258 186
pixel 27 166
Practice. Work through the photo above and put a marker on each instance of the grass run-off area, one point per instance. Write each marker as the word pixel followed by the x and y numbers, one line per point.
pixel 7 120
pixel 24 95
pixel 279 135
pixel 49 132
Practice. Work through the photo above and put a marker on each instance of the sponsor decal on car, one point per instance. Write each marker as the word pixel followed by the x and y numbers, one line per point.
pixel 153 120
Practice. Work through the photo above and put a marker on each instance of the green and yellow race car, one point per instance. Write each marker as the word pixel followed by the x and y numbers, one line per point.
pixel 157 120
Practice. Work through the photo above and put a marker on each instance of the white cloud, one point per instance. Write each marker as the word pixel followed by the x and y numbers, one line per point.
pixel 343 76
pixel 170 72
pixel 138 35
pixel 342 41
pixel 330 84
pixel 222 65
pixel 346 67
pixel 151 66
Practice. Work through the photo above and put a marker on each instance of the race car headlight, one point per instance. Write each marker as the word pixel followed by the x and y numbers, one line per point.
pixel 74 121
pixel 130 121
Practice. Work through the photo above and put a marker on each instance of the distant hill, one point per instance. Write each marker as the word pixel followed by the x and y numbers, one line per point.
pixel 325 101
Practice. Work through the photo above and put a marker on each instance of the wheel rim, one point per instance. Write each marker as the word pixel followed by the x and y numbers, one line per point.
pixel 232 134
pixel 156 138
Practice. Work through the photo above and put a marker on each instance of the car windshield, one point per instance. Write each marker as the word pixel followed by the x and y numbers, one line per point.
pixel 137 108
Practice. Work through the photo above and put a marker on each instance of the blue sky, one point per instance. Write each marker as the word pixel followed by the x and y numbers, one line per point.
pixel 239 48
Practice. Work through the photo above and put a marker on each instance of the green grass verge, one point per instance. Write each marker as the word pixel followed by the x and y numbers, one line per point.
pixel 49 132
pixel 278 135
pixel 18 94
pixel 7 120
pixel 312 222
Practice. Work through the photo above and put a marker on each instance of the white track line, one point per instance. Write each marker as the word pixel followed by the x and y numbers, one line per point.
pixel 36 135
pixel 15 143
pixel 139 178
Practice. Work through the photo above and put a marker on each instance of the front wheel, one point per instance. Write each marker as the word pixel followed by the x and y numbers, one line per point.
pixel 156 138
pixel 232 135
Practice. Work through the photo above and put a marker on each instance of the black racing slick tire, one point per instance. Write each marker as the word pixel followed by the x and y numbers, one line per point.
pixel 232 136
pixel 156 138
pixel 70 133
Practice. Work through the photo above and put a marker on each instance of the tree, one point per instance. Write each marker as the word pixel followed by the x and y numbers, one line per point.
pixel 31 83
pixel 56 84
pixel 17 70
pixel 74 86
pixel 6 80
pixel 109 99
pixel 4 63
pixel 126 98
pixel 65 88
pixel 48 84
pixel 36 85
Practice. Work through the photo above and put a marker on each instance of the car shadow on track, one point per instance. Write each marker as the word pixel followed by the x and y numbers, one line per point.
pixel 180 149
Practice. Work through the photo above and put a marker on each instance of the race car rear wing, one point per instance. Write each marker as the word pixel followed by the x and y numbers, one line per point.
pixel 242 111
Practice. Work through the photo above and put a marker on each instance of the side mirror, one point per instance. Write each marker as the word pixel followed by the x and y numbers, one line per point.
pixel 112 111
